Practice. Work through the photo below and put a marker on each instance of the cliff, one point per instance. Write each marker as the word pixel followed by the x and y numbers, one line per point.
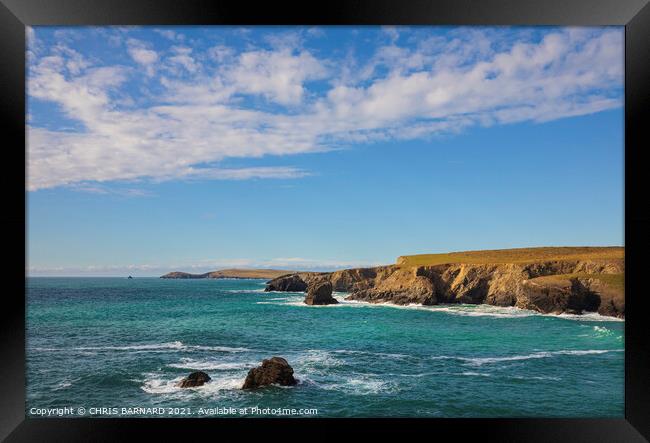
pixel 547 280
pixel 231 273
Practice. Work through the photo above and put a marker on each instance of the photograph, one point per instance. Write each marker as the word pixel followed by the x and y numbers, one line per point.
pixel 229 221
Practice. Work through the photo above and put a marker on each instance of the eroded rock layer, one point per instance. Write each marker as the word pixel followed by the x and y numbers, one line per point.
pixel 575 286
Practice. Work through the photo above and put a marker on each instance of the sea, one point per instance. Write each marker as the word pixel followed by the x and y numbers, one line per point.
pixel 117 347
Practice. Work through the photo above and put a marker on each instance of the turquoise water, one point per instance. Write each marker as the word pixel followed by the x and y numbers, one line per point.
pixel 118 343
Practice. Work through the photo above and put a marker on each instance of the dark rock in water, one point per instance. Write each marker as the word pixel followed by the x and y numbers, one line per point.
pixel 319 292
pixel 198 378
pixel 275 370
pixel 288 283
pixel 130 278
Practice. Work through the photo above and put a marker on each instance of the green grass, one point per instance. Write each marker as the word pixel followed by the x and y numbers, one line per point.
pixel 614 281
pixel 520 255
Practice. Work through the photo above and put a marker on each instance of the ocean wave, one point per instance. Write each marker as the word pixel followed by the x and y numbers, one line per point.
pixel 243 291
pixel 589 316
pixel 153 347
pixel 602 331
pixel 144 347
pixel 217 348
pixel 64 384
pixel 206 365
pixel 535 377
pixel 475 374
pixel 153 384
pixel 469 310
pixel 315 359
pixel 479 361
pixel 379 354
pixel 484 311
pixel 357 384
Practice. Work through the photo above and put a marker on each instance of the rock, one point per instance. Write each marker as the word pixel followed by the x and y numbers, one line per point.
pixel 519 284
pixel 288 283
pixel 319 292
pixel 275 370
pixel 612 299
pixel 198 378
pixel 396 285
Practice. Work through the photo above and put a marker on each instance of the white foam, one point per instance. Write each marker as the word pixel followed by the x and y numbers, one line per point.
pixel 360 385
pixel 475 374
pixel 478 361
pixel 161 386
pixel 205 365
pixel 317 358
pixel 244 291
pixel 217 348
pixel 153 347
pixel 380 354
pixel 470 310
pixel 484 311
pixel 64 384
pixel 155 385
pixel 145 347
pixel 601 331
pixel 534 377
pixel 587 316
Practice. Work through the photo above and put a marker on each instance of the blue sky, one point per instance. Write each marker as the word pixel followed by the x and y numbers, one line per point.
pixel 197 148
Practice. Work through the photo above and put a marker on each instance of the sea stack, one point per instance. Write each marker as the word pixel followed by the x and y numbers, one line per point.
pixel 275 370
pixel 319 292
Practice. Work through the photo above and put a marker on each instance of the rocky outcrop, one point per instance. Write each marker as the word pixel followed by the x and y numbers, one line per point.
pixel 198 378
pixel 275 370
pixel 505 284
pixel 319 292
pixel 288 283
pixel 396 285
pixel 562 295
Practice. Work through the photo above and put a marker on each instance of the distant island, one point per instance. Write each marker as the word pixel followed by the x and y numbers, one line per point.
pixel 232 273
pixel 571 280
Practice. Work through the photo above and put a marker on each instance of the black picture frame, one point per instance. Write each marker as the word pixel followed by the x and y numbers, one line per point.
pixel 633 14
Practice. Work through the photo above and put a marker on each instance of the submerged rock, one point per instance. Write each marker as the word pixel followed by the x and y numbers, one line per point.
pixel 319 292
pixel 198 378
pixel 275 370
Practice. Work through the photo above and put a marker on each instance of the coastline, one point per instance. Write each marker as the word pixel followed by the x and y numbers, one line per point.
pixel 547 280
pixel 460 309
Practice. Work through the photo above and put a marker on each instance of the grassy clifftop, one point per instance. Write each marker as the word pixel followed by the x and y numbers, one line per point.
pixel 519 255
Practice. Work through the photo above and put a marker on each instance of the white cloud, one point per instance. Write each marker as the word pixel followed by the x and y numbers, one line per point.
pixel 142 55
pixel 208 111
pixel 277 75
pixel 221 53
pixel 242 173
pixel 170 35
pixel 92 188
pixel 183 57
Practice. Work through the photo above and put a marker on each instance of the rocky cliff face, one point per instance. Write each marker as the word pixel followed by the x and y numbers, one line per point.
pixel 510 284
